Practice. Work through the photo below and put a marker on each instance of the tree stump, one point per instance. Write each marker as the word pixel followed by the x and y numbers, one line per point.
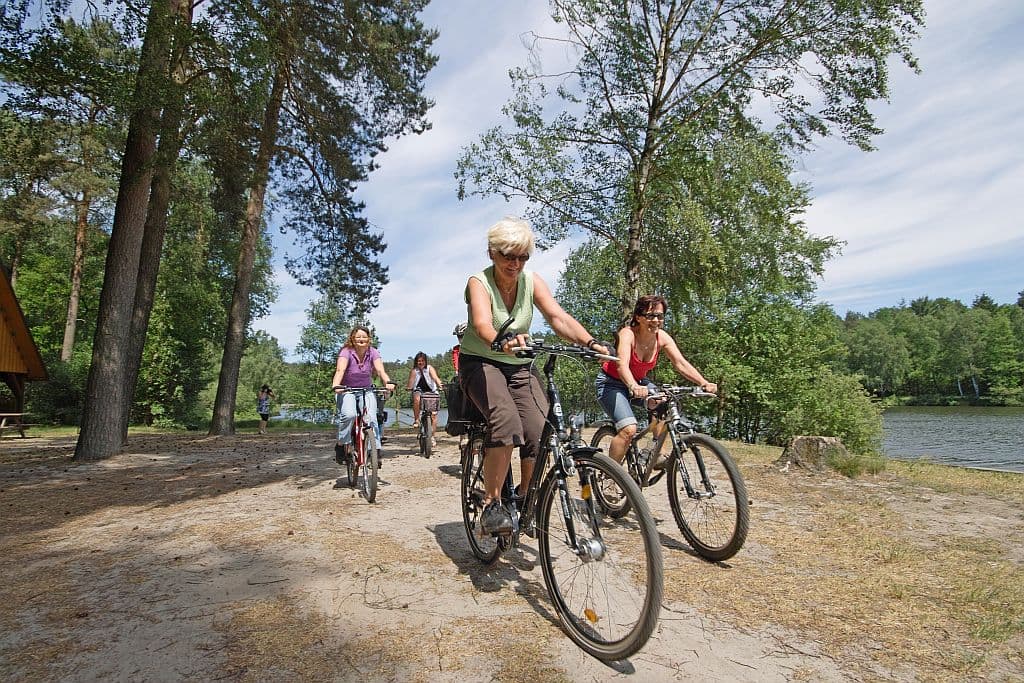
pixel 810 452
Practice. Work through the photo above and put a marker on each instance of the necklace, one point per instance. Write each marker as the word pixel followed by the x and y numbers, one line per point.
pixel 645 349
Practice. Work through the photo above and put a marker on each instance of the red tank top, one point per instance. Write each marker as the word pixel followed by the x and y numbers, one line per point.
pixel 637 367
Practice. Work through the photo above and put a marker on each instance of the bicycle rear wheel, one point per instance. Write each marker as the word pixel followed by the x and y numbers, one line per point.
pixel 483 545
pixel 609 496
pixel 607 586
pixel 708 498
pixel 370 465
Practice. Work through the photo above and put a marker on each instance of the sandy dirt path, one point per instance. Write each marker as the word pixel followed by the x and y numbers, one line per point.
pixel 191 557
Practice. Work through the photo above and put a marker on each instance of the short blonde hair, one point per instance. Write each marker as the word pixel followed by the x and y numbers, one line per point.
pixel 510 235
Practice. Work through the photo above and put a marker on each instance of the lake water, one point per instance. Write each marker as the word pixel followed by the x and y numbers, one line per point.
pixel 989 438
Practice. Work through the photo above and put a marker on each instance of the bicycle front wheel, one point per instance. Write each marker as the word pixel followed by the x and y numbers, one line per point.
pixel 609 495
pixel 708 498
pixel 428 435
pixel 604 574
pixel 483 545
pixel 370 465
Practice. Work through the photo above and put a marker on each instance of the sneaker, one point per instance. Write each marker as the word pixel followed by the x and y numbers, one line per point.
pixel 433 442
pixel 495 519
pixel 340 454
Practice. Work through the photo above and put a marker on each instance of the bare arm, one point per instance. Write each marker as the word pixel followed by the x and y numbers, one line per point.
pixel 412 379
pixel 624 350
pixel 433 374
pixel 685 368
pixel 480 311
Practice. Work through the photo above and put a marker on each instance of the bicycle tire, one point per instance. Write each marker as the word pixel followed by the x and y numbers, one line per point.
pixel 370 466
pixel 485 547
pixel 714 525
pixel 608 495
pixel 428 436
pixel 624 558
pixel 419 435
pixel 351 469
pixel 352 463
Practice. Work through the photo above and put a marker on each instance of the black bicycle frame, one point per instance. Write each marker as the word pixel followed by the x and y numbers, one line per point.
pixel 554 435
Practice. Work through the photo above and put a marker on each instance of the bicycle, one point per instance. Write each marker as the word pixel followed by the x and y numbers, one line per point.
pixel 705 488
pixel 430 402
pixel 364 454
pixel 603 575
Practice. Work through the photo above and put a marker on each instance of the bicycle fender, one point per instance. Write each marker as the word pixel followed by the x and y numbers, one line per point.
pixel 582 450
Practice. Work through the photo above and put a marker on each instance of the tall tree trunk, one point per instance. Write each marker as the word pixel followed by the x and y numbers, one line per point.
pixel 77 266
pixel 634 244
pixel 106 397
pixel 157 212
pixel 223 421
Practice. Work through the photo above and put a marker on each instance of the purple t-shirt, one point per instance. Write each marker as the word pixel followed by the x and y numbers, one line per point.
pixel 358 374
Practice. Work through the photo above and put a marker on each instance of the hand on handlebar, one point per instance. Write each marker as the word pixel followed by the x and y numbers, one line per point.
pixel 639 391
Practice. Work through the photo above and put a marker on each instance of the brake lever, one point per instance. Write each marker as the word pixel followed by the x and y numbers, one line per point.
pixel 503 335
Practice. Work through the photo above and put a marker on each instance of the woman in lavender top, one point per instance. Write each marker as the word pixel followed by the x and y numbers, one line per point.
pixel 358 362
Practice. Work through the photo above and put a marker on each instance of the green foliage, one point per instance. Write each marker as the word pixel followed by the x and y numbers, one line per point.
pixel 940 351
pixel 836 405
pixel 263 363
pixel 660 94
pixel 59 400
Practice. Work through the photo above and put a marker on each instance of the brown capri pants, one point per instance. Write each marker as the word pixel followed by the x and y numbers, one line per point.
pixel 511 399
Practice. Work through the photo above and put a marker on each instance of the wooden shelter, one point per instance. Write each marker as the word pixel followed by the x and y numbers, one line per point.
pixel 20 361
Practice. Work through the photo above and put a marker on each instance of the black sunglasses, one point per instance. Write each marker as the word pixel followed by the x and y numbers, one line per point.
pixel 522 258
pixel 654 316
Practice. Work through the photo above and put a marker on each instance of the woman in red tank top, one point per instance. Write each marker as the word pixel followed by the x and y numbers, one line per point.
pixel 639 344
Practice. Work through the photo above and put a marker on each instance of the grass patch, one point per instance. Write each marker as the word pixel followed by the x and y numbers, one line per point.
pixel 950 479
pixel 853 465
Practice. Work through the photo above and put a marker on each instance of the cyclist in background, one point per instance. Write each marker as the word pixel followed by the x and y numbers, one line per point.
pixel 639 344
pixel 422 377
pixel 459 331
pixel 501 385
pixel 357 363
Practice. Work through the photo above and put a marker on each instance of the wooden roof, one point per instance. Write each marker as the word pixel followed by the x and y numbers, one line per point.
pixel 19 354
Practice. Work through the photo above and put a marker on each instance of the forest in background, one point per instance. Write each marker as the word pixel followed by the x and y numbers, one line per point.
pixel 211 122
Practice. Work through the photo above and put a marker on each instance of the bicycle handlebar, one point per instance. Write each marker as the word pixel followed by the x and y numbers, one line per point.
pixel 341 388
pixel 535 347
pixel 676 390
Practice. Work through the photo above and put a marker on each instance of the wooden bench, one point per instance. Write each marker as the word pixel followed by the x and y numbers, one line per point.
pixel 14 422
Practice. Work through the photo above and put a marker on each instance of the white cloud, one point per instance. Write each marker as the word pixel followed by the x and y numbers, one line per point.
pixel 939 193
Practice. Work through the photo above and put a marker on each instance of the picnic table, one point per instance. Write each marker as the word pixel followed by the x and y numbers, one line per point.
pixel 15 421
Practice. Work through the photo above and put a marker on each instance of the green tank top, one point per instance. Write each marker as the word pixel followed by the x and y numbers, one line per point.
pixel 522 311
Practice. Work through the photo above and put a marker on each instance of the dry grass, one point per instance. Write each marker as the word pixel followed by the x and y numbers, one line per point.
pixel 853 576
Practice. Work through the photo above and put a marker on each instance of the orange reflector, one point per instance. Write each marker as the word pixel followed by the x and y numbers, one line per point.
pixel 591 615
pixel 586 492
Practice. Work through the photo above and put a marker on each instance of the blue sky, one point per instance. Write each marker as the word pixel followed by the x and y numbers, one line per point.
pixel 932 212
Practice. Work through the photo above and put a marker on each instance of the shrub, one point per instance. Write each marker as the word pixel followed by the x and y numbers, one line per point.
pixel 836 405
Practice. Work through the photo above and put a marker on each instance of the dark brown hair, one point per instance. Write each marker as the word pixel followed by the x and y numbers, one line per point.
pixel 644 304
